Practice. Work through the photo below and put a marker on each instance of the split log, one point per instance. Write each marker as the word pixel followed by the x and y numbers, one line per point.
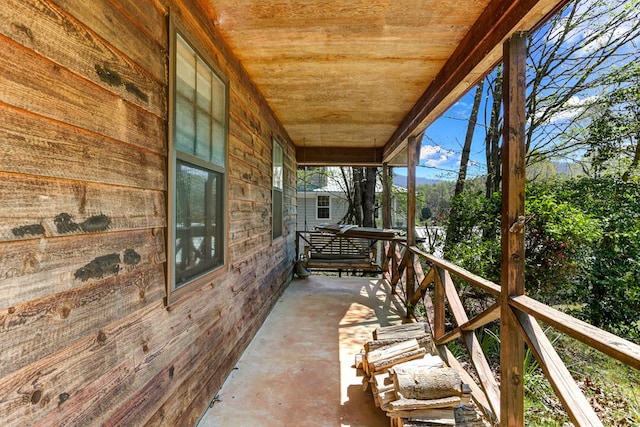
pixel 392 351
pixel 409 418
pixel 417 404
pixel 427 362
pixel 385 398
pixel 381 382
pixel 359 365
pixel 423 341
pixel 385 364
pixel 405 330
pixel 427 383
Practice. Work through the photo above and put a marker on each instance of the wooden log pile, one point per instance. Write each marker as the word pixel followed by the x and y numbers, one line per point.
pixel 410 383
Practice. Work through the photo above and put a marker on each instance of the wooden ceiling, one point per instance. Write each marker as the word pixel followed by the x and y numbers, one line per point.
pixel 351 80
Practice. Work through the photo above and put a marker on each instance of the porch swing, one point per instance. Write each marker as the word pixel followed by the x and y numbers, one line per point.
pixel 337 247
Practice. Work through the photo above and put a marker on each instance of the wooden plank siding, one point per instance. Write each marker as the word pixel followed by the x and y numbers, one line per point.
pixel 85 335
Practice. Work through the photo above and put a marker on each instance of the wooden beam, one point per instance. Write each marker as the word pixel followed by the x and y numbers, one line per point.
pixel 413 154
pixel 477 393
pixel 478 358
pixel 425 282
pixel 471 278
pixel 338 156
pixel 478 52
pixel 386 197
pixel 576 405
pixel 512 272
pixel 606 342
pixel 438 305
pixel 489 315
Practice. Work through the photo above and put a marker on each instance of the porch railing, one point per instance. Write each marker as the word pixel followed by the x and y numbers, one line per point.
pixel 402 262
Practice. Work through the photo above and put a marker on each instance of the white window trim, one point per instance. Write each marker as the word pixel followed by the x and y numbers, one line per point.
pixel 317 206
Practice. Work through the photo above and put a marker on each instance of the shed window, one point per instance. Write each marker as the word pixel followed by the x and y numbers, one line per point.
pixel 278 186
pixel 324 207
pixel 197 166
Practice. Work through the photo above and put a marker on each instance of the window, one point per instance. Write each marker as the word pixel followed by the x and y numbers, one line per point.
pixel 278 186
pixel 197 165
pixel 323 207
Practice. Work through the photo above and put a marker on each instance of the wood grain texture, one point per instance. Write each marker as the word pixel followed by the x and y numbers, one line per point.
pixel 36 207
pixel 38 268
pixel 33 145
pixel 33 83
pixel 512 243
pixel 477 356
pixel 477 393
pixel 45 29
pixel 65 317
pixel 575 403
pixel 82 229
pixel 148 15
pixel 335 58
pixel 101 15
pixel 606 342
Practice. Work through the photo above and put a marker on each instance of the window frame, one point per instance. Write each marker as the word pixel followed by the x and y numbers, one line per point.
pixel 277 146
pixel 318 217
pixel 174 293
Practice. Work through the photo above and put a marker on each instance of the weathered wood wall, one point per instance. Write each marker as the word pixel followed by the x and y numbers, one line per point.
pixel 85 337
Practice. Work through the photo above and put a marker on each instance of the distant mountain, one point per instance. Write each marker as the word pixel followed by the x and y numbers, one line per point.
pixel 401 181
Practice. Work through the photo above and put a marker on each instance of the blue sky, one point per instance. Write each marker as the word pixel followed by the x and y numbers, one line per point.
pixel 442 142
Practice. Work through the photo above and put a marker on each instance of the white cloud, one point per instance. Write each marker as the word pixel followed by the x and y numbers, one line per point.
pixel 434 155
pixel 573 108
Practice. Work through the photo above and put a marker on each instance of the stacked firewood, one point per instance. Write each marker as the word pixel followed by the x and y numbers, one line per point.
pixel 407 381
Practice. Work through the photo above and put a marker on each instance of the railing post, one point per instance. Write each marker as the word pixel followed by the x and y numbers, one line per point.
pixel 512 228
pixel 386 197
pixel 413 152
pixel 438 304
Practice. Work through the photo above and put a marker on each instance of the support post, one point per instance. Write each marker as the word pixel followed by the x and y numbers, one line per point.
pixel 413 152
pixel 386 197
pixel 513 192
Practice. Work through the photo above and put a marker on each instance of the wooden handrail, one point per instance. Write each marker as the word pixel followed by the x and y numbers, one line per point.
pixel 608 343
pixel 472 279
pixel 526 312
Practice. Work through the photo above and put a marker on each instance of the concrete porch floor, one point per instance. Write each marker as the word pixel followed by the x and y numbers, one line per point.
pixel 298 370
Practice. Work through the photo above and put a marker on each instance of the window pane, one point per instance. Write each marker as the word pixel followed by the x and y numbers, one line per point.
pixel 185 70
pixel 199 221
pixel 218 145
pixel 184 126
pixel 277 213
pixel 323 207
pixel 277 166
pixel 203 140
pixel 219 96
pixel 204 87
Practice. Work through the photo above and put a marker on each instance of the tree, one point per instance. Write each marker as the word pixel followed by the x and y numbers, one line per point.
pixel 572 59
pixel 613 136
pixel 451 235
pixel 360 189
pixel 493 133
